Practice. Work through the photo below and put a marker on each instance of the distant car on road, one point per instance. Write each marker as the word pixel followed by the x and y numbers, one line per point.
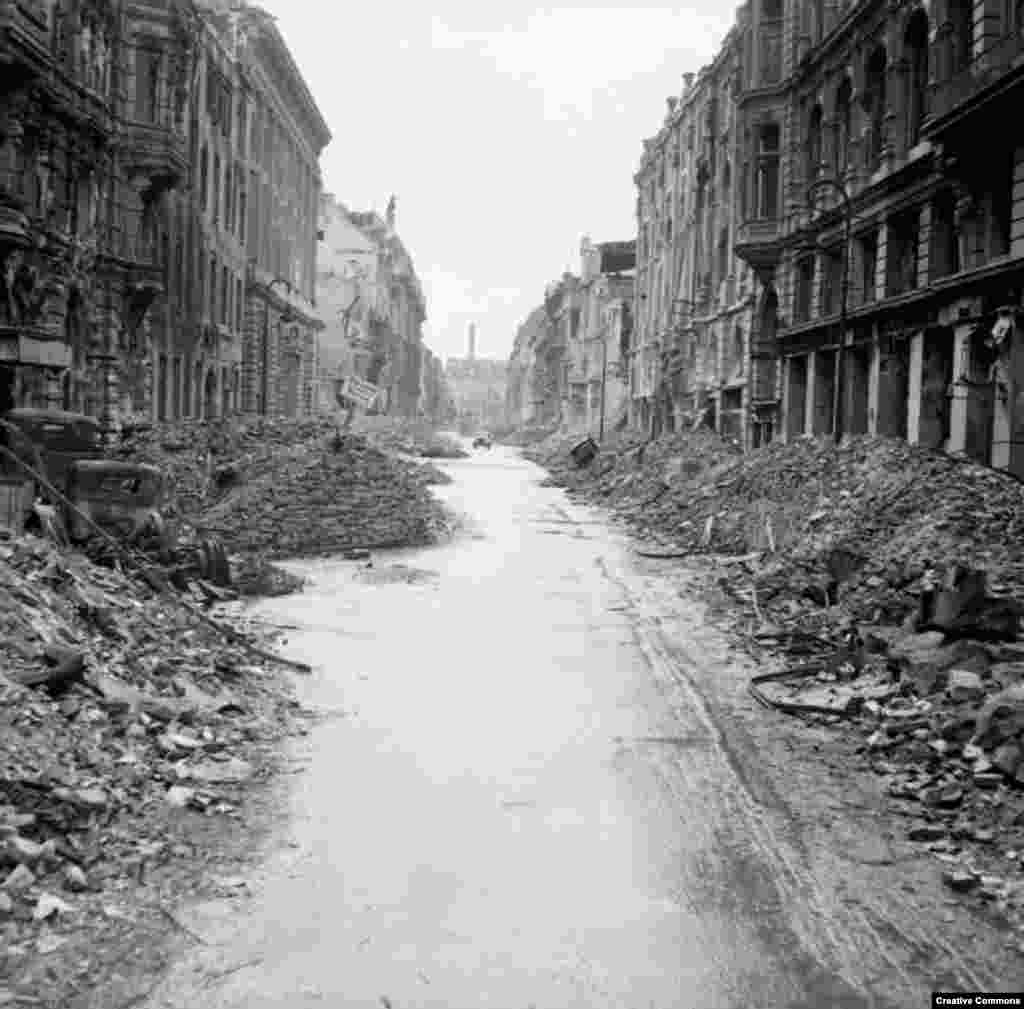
pixel 482 441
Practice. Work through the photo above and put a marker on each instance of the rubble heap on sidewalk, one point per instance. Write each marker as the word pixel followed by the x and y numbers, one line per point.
pixel 890 580
pixel 277 489
pixel 411 437
pixel 868 517
pixel 158 719
pixel 324 499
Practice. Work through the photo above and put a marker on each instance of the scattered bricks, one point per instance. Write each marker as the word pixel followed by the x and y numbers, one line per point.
pixel 960 880
pixel 1007 758
pixel 6 904
pixel 1001 718
pixel 49 906
pixel 75 879
pixel 943 796
pixel 92 798
pixel 20 880
pixel 987 780
pixel 926 832
pixel 1008 674
pixel 964 685
pixel 180 796
pixel 905 726
pixel 21 851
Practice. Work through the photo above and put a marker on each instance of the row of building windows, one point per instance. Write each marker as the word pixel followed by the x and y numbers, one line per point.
pixel 950 249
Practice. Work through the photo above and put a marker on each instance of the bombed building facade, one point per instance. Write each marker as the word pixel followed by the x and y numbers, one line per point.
pixel 158 194
pixel 477 387
pixel 373 305
pixel 883 210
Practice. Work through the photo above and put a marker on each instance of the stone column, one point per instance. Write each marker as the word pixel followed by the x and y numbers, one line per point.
pixel 873 385
pixel 914 388
pixel 961 373
pixel 810 393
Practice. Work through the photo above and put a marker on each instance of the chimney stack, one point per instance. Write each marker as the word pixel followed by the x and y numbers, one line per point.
pixel 472 341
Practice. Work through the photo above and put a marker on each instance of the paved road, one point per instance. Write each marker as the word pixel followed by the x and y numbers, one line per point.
pixel 525 805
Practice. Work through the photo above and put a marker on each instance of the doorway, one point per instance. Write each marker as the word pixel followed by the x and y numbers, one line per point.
pixel 858 379
pixel 936 378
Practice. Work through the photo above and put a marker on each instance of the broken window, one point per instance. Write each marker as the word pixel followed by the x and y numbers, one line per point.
pixel 216 188
pixel 843 124
pixel 813 150
pixel 901 252
pixel 915 41
pixel 875 99
pixel 1001 203
pixel 945 252
pixel 831 281
pixel 867 246
pixel 804 288
pixel 770 38
pixel 767 192
pixel 147 81
pixel 723 255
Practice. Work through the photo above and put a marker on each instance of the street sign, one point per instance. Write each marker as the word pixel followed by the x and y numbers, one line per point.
pixel 359 391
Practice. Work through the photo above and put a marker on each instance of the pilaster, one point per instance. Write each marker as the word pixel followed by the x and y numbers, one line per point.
pixel 914 382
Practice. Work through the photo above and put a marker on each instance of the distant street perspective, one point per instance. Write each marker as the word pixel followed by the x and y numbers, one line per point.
pixel 461 547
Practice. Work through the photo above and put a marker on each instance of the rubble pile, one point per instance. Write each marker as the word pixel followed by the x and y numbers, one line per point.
pixel 410 437
pixel 324 499
pixel 890 579
pixel 271 488
pixel 527 437
pixel 160 719
pixel 204 460
pixel 943 721
pixel 629 468
pixel 865 520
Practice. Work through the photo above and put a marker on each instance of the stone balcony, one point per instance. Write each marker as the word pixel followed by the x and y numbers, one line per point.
pixel 154 153
pixel 759 242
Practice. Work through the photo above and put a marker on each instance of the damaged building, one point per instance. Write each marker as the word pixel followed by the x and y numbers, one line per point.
pixel 695 357
pixel 477 387
pixel 597 374
pixel 882 176
pixel 373 305
pixel 158 194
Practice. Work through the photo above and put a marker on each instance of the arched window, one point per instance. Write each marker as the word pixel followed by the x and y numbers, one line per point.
pixel 844 132
pixel 813 150
pixel 915 44
pixel 874 102
pixel 767 179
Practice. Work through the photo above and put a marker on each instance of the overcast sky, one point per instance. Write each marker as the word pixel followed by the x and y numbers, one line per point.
pixel 505 132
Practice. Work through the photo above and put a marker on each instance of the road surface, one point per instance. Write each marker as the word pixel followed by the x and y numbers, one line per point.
pixel 531 801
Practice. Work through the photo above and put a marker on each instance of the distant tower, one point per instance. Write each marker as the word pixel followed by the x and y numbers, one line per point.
pixel 472 341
